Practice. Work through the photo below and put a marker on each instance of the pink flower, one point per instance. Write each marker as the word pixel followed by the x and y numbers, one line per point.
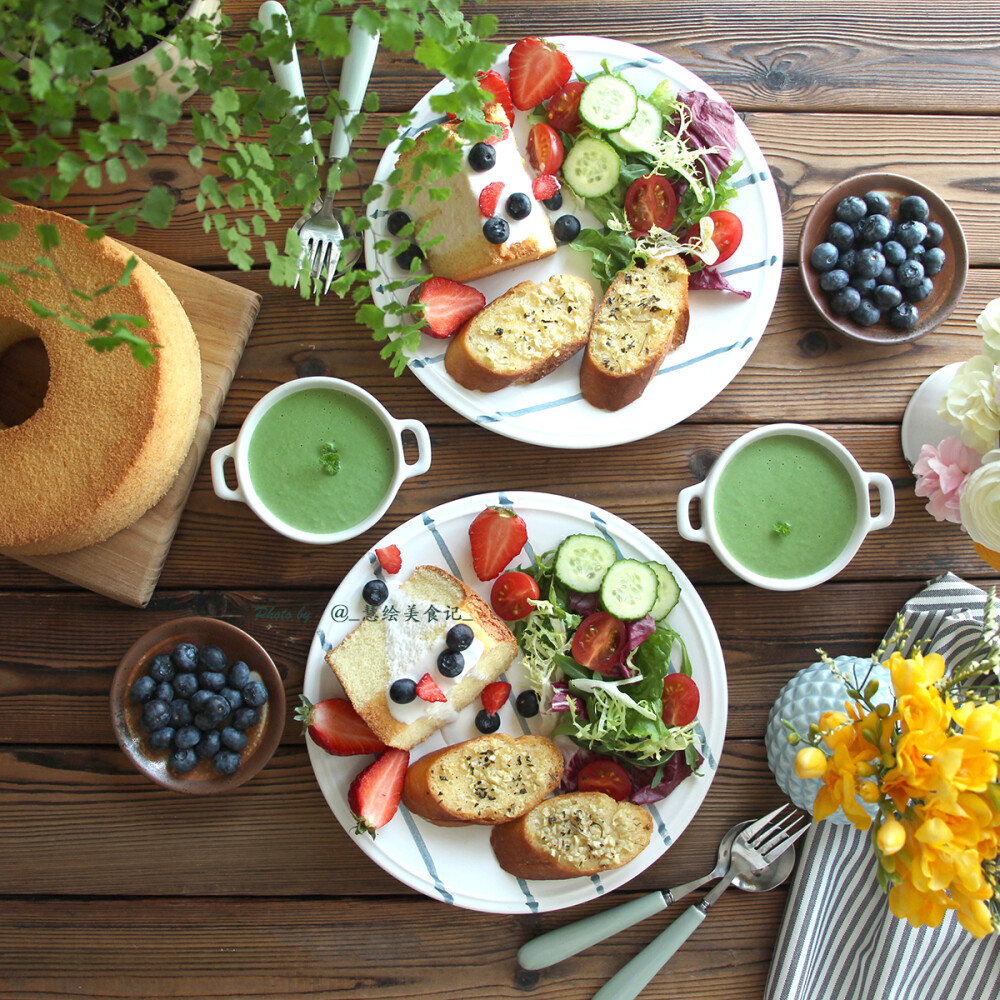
pixel 942 475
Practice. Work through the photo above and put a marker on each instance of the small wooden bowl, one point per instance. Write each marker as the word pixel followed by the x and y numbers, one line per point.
pixel 125 716
pixel 948 284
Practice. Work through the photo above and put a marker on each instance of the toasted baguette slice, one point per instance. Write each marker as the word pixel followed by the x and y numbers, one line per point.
pixel 642 317
pixel 488 780
pixel 370 658
pixel 582 833
pixel 521 336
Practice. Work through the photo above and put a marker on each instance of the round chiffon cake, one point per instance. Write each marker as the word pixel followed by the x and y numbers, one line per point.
pixel 110 435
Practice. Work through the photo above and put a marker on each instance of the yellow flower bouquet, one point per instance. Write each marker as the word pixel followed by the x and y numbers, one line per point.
pixel 921 773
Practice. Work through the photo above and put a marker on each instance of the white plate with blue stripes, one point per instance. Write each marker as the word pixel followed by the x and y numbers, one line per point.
pixel 724 328
pixel 456 865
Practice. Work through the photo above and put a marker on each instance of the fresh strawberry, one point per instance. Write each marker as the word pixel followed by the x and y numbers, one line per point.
pixel 427 690
pixel 496 536
pixel 537 70
pixel 337 728
pixel 448 305
pixel 545 186
pixel 495 696
pixel 494 139
pixel 489 197
pixel 493 83
pixel 389 558
pixel 375 793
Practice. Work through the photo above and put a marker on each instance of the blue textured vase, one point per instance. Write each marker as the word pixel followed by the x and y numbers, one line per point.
pixel 811 692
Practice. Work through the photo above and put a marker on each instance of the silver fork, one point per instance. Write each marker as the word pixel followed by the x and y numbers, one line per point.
pixel 759 845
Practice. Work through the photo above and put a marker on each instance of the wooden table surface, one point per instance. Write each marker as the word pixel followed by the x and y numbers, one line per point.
pixel 113 887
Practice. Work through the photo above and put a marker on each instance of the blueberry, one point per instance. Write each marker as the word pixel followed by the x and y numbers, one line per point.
pixel 374 592
pixel 920 291
pixel 487 723
pixel 913 207
pixel 209 744
pixel 403 690
pixel 161 739
pixel 450 663
pixel 866 314
pixel 874 227
pixel 904 316
pixel 162 668
pixel 459 637
pixel 212 680
pixel 852 209
pixel 887 276
pixel 164 691
pixel 204 722
pixel 933 260
pixel 187 737
pixel 246 718
pixel 518 205
pixel 216 708
pixel 211 658
pixel 155 714
pixel 233 696
pixel 239 675
pixel 185 656
pixel 847 260
pixel 909 273
pixel 233 739
pixel 482 157
pixel 185 685
pixel 255 694
pixel 527 704
pixel 566 228
pixel 916 253
pixel 555 202
pixel 824 257
pixel 845 301
pixel 841 235
pixel 198 700
pixel 142 690
pixel 911 233
pixel 877 203
pixel 396 221
pixel 226 762
pixel 864 285
pixel 935 234
pixel 833 281
pixel 408 255
pixel 869 264
pixel 182 761
pixel 887 297
pixel 496 230
pixel 180 712
pixel 894 253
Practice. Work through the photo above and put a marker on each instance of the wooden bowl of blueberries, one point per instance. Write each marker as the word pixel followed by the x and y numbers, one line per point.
pixel 198 706
pixel 883 258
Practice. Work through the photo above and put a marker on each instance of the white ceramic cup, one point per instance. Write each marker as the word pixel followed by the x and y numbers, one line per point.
pixel 238 453
pixel 704 493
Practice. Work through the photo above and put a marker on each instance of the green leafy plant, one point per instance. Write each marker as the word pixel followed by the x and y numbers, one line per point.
pixel 63 130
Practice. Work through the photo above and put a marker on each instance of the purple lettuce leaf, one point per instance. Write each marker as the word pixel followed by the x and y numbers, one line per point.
pixel 708 279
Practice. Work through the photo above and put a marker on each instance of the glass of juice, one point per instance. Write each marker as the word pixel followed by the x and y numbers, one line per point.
pixel 786 507
pixel 320 460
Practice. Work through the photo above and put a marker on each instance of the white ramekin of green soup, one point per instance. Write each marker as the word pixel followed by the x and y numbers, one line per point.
pixel 320 460
pixel 785 507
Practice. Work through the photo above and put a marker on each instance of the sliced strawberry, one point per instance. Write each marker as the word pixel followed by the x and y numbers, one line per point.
pixel 489 197
pixel 545 186
pixel 427 690
pixel 375 793
pixel 494 139
pixel 496 536
pixel 389 558
pixel 537 70
pixel 493 83
pixel 448 305
pixel 337 728
pixel 495 696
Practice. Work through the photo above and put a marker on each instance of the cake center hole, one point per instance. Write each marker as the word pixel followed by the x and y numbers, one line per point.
pixel 24 377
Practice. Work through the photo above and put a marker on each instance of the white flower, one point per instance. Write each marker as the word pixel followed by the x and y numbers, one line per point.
pixel 989 325
pixel 980 505
pixel 971 402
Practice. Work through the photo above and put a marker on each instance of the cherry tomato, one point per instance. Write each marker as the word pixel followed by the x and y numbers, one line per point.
pixel 727 236
pixel 605 776
pixel 598 641
pixel 650 201
pixel 510 595
pixel 680 700
pixel 545 148
pixel 563 111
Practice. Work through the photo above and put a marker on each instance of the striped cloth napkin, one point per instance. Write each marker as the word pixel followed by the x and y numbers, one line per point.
pixel 838 939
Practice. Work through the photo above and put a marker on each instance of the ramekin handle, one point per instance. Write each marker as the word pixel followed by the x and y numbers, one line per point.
pixel 219 484
pixel 886 499
pixel 423 462
pixel 684 526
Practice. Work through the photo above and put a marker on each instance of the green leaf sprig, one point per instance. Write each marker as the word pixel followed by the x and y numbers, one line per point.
pixel 329 458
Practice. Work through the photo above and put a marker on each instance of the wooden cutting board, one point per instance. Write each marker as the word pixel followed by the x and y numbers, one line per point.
pixel 127 566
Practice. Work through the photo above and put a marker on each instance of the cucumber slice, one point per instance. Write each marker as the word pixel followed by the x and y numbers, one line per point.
pixel 582 561
pixel 667 591
pixel 628 590
pixel 608 102
pixel 591 167
pixel 640 135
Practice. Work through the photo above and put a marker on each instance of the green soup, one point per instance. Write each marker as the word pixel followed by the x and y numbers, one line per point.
pixel 321 460
pixel 785 507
